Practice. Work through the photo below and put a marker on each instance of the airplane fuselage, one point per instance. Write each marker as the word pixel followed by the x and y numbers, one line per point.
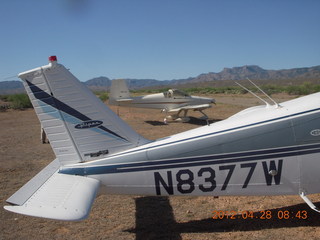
pixel 263 150
pixel 159 101
pixel 259 151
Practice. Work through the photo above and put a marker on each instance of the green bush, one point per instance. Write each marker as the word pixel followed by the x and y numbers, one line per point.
pixel 103 96
pixel 303 89
pixel 4 98
pixel 19 101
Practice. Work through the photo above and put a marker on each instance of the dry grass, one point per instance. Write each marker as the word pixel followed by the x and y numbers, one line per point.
pixel 138 217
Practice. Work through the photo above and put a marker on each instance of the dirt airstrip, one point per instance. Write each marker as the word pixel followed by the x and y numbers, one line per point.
pixel 139 217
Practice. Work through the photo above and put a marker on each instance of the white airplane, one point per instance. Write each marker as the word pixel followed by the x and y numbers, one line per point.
pixel 173 100
pixel 263 150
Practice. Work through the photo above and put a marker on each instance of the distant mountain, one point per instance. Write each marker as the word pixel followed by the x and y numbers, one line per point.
pixel 256 73
pixel 11 87
pixel 236 73
pixel 99 83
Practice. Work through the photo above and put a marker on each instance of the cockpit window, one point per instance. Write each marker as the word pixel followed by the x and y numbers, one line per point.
pixel 172 93
pixel 180 93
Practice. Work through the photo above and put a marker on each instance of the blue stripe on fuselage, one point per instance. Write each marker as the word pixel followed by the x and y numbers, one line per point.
pixel 218 132
pixel 195 161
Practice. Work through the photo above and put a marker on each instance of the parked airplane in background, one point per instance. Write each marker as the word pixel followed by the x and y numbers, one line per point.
pixel 173 100
pixel 263 150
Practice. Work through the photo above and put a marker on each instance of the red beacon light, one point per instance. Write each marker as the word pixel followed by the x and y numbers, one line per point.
pixel 53 59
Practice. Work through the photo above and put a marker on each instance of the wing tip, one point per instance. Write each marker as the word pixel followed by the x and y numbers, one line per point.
pixel 62 197
pixel 55 213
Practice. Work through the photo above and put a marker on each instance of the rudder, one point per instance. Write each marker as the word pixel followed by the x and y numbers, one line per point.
pixel 78 125
pixel 118 92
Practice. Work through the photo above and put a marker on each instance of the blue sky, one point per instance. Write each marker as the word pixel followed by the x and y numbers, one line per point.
pixel 157 39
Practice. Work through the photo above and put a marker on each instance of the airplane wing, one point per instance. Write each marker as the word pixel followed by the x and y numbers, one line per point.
pixel 191 107
pixel 56 196
pixel 125 100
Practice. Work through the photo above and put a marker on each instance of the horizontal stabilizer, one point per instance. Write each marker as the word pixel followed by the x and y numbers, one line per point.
pixel 24 193
pixel 125 100
pixel 191 107
pixel 61 197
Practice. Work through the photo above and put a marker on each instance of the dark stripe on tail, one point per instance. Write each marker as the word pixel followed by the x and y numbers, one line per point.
pixel 54 102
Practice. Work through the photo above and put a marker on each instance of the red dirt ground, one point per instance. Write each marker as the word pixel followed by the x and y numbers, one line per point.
pixel 138 217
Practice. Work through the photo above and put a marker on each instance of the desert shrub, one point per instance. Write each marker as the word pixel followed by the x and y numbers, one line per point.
pixel 19 101
pixel 4 98
pixel 104 96
pixel 272 89
pixel 303 89
pixel 215 90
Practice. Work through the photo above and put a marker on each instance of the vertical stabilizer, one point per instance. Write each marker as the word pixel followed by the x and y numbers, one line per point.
pixel 78 125
pixel 118 92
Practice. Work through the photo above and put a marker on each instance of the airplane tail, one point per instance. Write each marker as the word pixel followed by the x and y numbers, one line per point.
pixel 119 92
pixel 50 194
pixel 78 125
pixel 80 128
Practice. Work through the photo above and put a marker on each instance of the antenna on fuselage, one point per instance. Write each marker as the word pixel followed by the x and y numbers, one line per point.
pixel 275 103
pixel 253 94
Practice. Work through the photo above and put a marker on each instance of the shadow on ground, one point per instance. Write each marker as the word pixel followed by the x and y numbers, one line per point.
pixel 193 121
pixel 155 220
